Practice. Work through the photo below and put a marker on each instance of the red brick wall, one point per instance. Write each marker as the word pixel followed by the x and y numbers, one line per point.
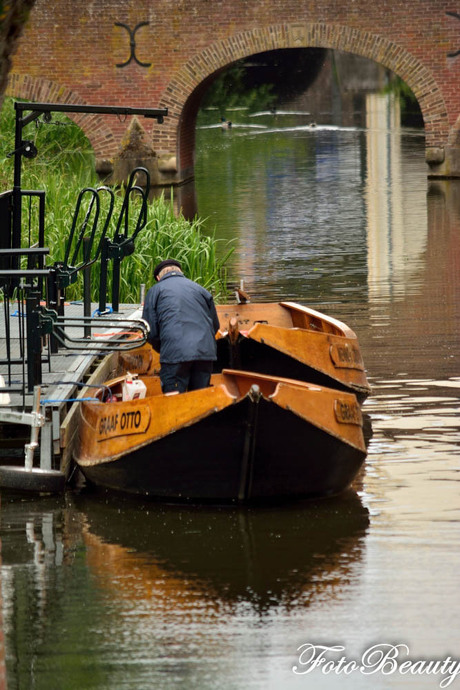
pixel 70 50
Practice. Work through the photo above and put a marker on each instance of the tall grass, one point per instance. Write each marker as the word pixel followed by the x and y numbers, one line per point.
pixel 169 236
pixel 63 167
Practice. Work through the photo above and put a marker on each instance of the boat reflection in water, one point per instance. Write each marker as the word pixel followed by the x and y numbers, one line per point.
pixel 98 585
pixel 265 557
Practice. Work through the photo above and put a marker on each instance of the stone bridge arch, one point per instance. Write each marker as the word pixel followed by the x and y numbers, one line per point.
pixel 164 54
pixel 183 93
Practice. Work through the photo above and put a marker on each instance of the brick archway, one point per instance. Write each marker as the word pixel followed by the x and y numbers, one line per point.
pixel 102 58
pixel 95 127
pixel 183 94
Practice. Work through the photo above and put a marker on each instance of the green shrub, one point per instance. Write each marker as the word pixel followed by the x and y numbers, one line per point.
pixel 64 166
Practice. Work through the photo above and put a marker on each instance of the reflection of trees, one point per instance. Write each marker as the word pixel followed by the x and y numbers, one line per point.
pixel 290 70
pixel 297 218
pixel 264 80
pixel 417 323
pixel 230 90
pixel 411 115
pixel 43 578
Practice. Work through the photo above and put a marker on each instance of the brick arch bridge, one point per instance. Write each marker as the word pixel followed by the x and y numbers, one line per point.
pixel 165 54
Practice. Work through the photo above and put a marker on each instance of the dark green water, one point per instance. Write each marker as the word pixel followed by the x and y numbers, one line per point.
pixel 103 594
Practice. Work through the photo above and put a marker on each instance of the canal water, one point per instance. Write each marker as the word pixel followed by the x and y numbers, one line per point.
pixel 356 592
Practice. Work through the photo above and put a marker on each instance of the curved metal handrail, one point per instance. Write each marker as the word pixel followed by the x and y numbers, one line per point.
pixel 69 266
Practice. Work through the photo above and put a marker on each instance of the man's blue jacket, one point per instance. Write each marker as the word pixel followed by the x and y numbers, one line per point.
pixel 182 318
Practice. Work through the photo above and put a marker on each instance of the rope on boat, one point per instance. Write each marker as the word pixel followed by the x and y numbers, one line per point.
pixel 98 312
pixel 48 401
pixel 79 384
pixel 109 334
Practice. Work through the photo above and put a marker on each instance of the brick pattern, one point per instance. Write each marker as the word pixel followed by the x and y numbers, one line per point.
pixel 70 52
pixel 42 90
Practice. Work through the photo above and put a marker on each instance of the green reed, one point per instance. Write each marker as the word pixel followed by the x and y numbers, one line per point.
pixel 63 167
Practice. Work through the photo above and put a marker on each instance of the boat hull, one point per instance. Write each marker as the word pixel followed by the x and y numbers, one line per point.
pixel 250 449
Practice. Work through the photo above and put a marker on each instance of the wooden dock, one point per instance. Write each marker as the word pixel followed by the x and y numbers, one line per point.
pixel 66 376
pixel 47 351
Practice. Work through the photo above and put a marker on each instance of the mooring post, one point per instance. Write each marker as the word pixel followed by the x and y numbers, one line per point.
pixel 87 242
pixel 34 341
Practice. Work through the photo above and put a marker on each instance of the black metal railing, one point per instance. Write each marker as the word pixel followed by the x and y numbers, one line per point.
pixel 123 241
pixel 33 292
pixel 27 342
pixel 22 352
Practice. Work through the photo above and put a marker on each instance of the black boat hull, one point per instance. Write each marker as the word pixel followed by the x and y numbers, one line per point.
pixel 249 451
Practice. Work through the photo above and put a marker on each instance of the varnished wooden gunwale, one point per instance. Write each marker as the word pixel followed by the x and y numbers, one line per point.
pixel 291 340
pixel 282 314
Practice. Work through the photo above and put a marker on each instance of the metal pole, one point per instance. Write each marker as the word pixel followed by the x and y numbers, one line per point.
pixel 15 239
pixel 103 280
pixel 87 242
pixel 116 284
pixel 34 345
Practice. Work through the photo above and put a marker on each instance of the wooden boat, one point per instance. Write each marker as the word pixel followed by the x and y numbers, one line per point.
pixel 246 437
pixel 290 340
pixel 279 339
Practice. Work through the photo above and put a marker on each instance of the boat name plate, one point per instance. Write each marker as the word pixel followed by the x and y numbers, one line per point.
pixel 347 412
pixel 123 423
pixel 346 356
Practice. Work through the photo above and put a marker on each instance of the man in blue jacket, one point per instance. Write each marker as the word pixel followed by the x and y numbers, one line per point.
pixel 183 322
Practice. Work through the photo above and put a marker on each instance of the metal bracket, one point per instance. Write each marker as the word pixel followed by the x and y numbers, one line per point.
pixel 132 45
pixel 27 149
